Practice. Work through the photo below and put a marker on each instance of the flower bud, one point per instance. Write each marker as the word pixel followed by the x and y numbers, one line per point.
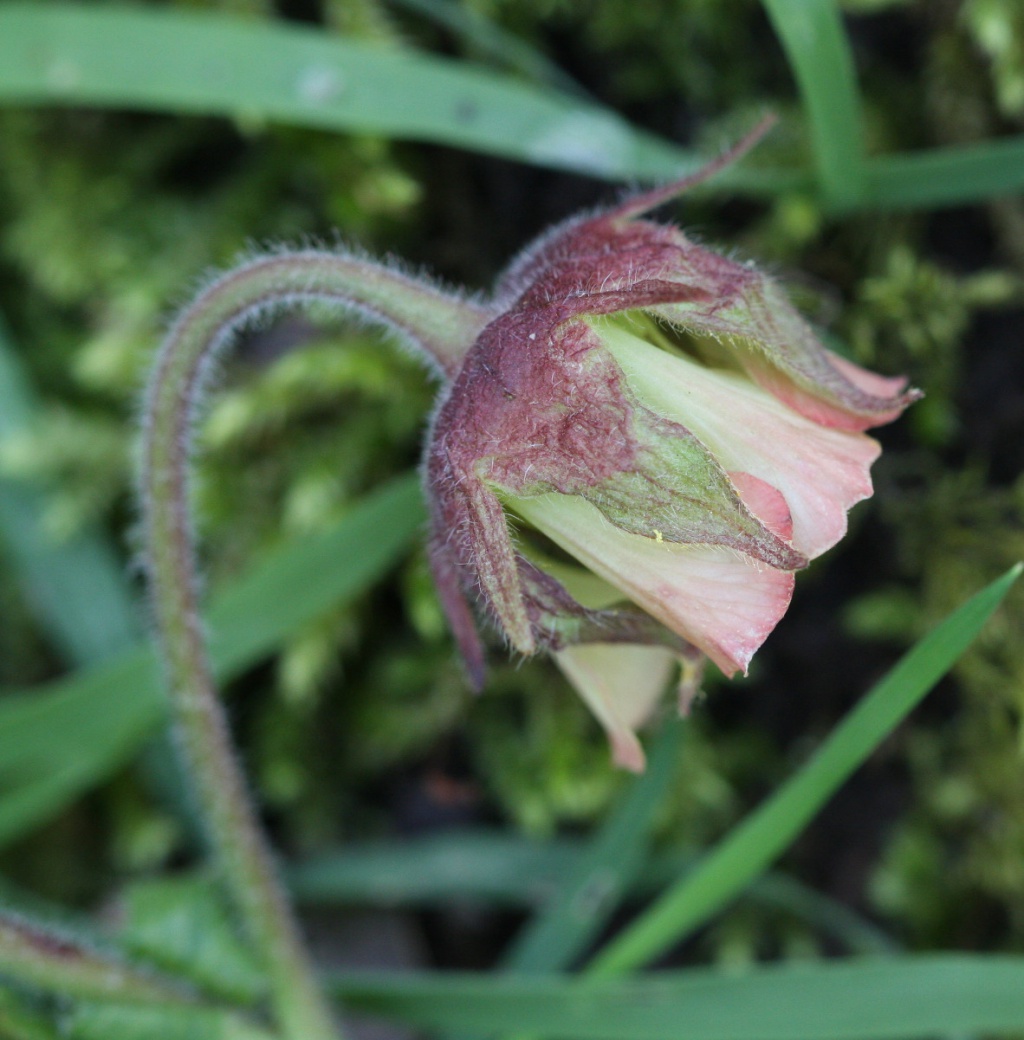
pixel 662 415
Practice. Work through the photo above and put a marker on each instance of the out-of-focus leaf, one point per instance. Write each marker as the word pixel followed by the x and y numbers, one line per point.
pixel 603 873
pixel 888 998
pixel 520 873
pixel 750 847
pixel 173 60
pixel 56 742
pixel 182 925
pixel 76 586
pixel 108 1021
pixel 815 41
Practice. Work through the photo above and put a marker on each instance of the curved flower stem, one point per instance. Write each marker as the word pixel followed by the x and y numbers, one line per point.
pixel 441 328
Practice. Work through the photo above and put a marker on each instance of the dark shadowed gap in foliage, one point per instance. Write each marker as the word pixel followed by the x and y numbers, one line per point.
pixel 994 419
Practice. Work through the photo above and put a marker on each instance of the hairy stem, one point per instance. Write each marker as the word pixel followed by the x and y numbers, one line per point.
pixel 441 328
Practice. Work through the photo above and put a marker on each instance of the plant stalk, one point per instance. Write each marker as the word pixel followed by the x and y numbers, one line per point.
pixel 441 328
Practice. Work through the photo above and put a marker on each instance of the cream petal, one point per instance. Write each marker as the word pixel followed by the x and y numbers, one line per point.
pixel 621 683
pixel 821 471
pixel 720 600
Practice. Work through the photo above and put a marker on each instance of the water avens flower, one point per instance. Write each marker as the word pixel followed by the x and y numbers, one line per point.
pixel 653 420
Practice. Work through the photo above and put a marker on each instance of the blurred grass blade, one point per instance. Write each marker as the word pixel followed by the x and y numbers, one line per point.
pixel 586 897
pixel 948 176
pixel 751 846
pixel 56 742
pixel 179 61
pixel 106 1020
pixel 518 873
pixel 490 40
pixel 487 865
pixel 816 45
pixel 76 587
pixel 37 956
pixel 182 61
pixel 889 998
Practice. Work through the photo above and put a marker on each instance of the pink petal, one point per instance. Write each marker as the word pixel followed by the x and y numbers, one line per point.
pixel 870 382
pixel 816 408
pixel 719 600
pixel 821 472
pixel 768 504
pixel 621 683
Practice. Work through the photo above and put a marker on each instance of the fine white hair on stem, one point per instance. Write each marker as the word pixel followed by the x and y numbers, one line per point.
pixel 434 325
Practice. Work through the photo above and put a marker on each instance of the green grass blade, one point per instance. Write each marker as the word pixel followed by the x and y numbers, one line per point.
pixel 190 62
pixel 178 61
pixel 605 871
pixel 480 865
pixel 815 42
pixel 888 998
pixel 948 176
pixel 76 587
pixel 56 742
pixel 490 40
pixel 755 843
pixel 515 872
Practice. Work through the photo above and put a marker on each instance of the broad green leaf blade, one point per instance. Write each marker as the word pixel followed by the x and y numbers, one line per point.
pixel 610 862
pixel 76 586
pixel 56 742
pixel 750 847
pixel 890 998
pixel 815 42
pixel 179 61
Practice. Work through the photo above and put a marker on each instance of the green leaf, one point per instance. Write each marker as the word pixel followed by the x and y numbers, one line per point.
pixel 20 1021
pixel 110 1021
pixel 517 872
pixel 888 998
pixel 457 865
pixel 58 741
pixel 750 847
pixel 182 925
pixel 42 957
pixel 814 38
pixel 180 61
pixel 609 864
pixel 489 39
pixel 190 62
pixel 75 586
pixel 947 176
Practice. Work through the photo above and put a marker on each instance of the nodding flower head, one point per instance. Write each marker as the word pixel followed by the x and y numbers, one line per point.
pixel 636 454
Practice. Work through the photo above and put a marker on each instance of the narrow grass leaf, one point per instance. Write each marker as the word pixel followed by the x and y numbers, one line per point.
pixel 816 45
pixel 609 864
pixel 750 847
pixel 490 40
pixel 947 176
pixel 888 998
pixel 516 872
pixel 479 865
pixel 202 63
pixel 76 585
pixel 57 741
pixel 179 61
pixel 104 1020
